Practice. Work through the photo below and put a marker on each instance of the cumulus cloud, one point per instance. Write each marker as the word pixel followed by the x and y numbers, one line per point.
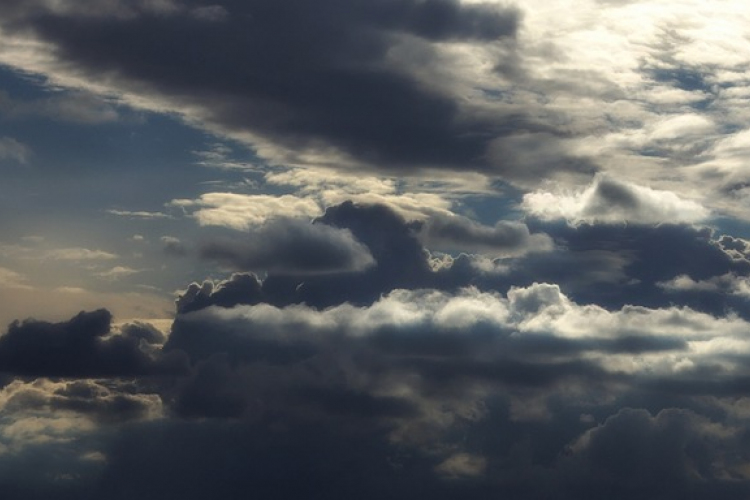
pixel 81 347
pixel 288 246
pixel 503 239
pixel 675 451
pixel 608 264
pixel 614 363
pixel 411 382
pixel 238 289
pixel 608 200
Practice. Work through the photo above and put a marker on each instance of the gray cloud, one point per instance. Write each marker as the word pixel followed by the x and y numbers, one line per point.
pixel 81 347
pixel 676 452
pixel 71 107
pixel 290 246
pixel 238 289
pixel 503 239
pixel 409 387
pixel 309 74
pixel 11 149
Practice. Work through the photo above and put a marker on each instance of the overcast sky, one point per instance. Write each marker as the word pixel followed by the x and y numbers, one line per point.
pixel 371 249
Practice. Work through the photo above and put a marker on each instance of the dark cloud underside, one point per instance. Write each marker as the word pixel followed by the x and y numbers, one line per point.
pixel 310 74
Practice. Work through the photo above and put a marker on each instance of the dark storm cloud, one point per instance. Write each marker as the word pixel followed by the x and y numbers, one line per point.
pixel 296 73
pixel 81 347
pixel 290 246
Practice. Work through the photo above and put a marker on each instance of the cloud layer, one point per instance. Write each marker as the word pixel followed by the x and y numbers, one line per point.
pixel 415 249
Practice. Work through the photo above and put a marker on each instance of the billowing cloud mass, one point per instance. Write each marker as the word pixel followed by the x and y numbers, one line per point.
pixel 374 249
pixel 419 376
pixel 81 347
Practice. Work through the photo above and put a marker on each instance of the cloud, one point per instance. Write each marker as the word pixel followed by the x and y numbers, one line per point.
pixel 473 335
pixel 81 347
pixel 462 465
pixel 288 246
pixel 241 212
pixel 608 200
pixel 412 382
pixel 74 107
pixel 100 401
pixel 72 254
pixel 117 272
pixel 420 199
pixel 503 239
pixel 726 283
pixel 173 246
pixel 138 214
pixel 11 149
pixel 676 452
pixel 239 289
pixel 320 114
pixel 12 279
pixel 598 348
pixel 79 254
pixel 608 264
pixel 629 92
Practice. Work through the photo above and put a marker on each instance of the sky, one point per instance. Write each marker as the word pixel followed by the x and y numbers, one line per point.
pixel 374 249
